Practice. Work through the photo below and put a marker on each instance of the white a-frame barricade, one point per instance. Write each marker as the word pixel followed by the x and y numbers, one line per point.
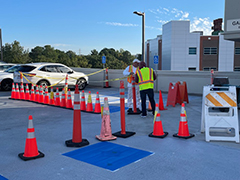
pixel 220 113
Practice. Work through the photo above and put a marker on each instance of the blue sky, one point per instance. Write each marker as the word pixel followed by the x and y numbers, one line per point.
pixel 84 25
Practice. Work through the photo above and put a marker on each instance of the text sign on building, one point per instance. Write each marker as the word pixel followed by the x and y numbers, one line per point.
pixel 104 59
pixel 233 25
pixel 155 59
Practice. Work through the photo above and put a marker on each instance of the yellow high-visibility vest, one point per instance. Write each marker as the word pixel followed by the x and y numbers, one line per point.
pixel 145 78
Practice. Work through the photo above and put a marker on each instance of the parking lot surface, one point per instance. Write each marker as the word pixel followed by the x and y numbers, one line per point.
pixel 169 158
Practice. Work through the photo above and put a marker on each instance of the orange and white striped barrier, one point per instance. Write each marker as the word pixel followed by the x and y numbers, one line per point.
pixel 77 140
pixel 220 113
pixel 31 149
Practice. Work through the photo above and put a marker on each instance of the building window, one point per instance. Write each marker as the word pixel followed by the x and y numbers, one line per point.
pixel 210 50
pixel 192 50
pixel 237 51
pixel 209 68
pixel 237 68
pixel 192 68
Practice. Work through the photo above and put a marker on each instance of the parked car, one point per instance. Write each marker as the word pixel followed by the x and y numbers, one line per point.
pixel 46 74
pixel 6 78
pixel 6 66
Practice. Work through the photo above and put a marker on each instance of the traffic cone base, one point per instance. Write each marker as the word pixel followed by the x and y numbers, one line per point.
pixel 126 135
pixel 161 136
pixel 107 87
pixel 70 143
pixel 108 138
pixel 184 137
pixel 21 155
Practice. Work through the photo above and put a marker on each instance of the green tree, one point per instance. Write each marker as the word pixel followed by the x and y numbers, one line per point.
pixel 15 53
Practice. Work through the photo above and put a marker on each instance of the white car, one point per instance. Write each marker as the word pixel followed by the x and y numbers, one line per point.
pixel 47 74
pixel 6 66
pixel 6 78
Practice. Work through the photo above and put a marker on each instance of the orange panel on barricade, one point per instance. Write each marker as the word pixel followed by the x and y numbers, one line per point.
pixel 183 92
pixel 173 95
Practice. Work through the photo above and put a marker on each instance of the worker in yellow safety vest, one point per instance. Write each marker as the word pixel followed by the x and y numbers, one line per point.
pixel 131 70
pixel 145 77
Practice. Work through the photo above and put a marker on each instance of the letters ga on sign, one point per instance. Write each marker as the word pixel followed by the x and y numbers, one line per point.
pixel 233 25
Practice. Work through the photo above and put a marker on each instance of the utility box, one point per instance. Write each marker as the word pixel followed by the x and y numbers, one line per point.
pixel 232 20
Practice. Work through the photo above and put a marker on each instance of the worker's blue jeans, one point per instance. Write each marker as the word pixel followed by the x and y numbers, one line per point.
pixel 143 94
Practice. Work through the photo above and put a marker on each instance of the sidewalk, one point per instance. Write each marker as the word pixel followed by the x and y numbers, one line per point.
pixel 171 158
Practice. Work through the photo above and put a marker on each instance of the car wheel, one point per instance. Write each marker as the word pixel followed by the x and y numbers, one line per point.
pixel 81 83
pixel 6 84
pixel 43 83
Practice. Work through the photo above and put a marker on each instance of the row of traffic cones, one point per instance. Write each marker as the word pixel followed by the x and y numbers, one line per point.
pixel 65 101
pixel 183 131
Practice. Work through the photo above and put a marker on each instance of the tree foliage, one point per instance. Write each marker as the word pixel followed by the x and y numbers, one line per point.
pixel 115 59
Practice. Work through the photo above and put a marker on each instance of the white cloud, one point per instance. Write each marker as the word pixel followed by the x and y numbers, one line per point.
pixel 120 24
pixel 151 27
pixel 60 45
pixel 201 24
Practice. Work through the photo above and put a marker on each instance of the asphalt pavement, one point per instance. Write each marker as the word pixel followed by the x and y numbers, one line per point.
pixel 137 157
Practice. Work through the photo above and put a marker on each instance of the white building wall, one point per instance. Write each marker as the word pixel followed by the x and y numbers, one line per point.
pixel 182 39
pixel 226 54
pixel 153 51
pixel 166 46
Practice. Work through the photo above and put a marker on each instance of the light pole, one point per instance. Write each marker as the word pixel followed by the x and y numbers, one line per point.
pixel 143 33
pixel 1 45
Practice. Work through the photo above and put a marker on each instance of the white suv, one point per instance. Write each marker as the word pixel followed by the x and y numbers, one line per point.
pixel 47 74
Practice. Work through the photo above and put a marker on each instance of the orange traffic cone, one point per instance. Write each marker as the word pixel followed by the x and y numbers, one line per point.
pixel 83 103
pixel 46 97
pixel 13 91
pixel 63 99
pixel 183 131
pixel 161 106
pixel 27 95
pixel 89 103
pixel 158 129
pixel 41 97
pixel 57 101
pixel 32 96
pixel 52 101
pixel 69 100
pixel 97 105
pixel 149 107
pixel 17 94
pixel 31 150
pixel 37 94
pixel 106 131
pixel 22 94
pixel 77 140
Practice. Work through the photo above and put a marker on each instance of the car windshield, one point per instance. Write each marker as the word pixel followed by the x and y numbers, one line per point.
pixel 12 69
pixel 25 68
